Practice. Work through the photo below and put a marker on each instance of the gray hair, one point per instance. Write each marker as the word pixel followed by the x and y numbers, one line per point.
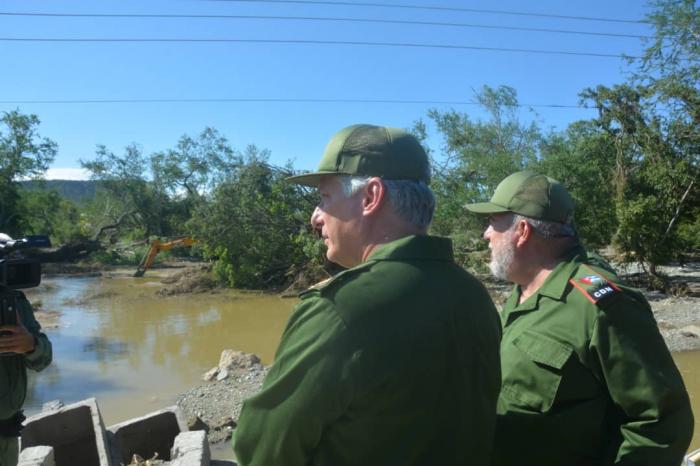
pixel 547 229
pixel 413 201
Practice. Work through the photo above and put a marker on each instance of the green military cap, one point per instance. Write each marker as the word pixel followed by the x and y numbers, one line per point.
pixel 368 150
pixel 532 195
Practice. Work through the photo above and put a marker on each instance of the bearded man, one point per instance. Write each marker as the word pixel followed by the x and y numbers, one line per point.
pixel 587 378
pixel 393 361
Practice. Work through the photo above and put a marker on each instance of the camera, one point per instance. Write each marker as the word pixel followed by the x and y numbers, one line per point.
pixel 19 273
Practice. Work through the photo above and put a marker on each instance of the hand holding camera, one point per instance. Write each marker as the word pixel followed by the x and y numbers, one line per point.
pixel 15 338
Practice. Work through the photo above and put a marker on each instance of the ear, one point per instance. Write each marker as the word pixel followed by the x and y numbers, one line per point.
pixel 523 232
pixel 373 196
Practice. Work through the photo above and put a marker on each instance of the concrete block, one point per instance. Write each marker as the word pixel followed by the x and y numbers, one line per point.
pixel 76 433
pixel 191 449
pixel 692 458
pixel 37 456
pixel 146 435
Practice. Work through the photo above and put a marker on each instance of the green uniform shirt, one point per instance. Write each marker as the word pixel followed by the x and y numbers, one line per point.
pixel 587 377
pixel 393 362
pixel 13 367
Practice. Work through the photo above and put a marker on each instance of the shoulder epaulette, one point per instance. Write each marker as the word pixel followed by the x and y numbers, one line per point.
pixel 339 278
pixel 593 285
pixel 320 284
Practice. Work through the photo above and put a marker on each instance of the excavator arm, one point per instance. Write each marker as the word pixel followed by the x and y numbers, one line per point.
pixel 157 246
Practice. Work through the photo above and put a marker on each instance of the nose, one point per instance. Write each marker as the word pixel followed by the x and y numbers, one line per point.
pixel 316 220
pixel 487 233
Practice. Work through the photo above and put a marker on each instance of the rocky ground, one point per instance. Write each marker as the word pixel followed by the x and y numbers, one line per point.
pixel 678 315
pixel 216 404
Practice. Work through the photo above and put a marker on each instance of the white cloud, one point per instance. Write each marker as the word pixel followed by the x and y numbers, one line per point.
pixel 67 174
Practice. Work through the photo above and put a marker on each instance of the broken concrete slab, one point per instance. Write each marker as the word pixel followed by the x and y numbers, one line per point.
pixel 191 449
pixel 37 456
pixel 147 435
pixel 76 432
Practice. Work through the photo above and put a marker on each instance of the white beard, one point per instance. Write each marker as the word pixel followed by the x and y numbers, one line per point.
pixel 502 260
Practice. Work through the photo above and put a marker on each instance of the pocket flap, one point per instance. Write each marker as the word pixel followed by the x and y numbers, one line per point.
pixel 543 349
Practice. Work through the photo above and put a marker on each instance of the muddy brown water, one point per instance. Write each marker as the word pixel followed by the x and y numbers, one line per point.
pixel 134 351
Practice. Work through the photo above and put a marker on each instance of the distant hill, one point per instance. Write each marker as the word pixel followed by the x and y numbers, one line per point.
pixel 73 190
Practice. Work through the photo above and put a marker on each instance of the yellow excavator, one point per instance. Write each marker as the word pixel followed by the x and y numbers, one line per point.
pixel 157 246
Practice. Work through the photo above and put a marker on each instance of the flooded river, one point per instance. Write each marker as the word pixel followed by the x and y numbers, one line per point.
pixel 134 351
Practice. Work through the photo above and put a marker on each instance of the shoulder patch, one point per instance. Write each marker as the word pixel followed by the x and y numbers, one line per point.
pixel 594 286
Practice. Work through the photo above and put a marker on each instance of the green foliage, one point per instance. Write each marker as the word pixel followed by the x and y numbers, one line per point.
pixel 195 166
pixel 470 252
pixel 47 213
pixel 253 223
pixel 671 61
pixel 583 160
pixel 126 199
pixel 656 170
pixel 130 257
pixel 689 233
pixel 23 154
pixel 478 155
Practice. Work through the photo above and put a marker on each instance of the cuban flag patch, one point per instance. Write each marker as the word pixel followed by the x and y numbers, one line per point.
pixel 594 287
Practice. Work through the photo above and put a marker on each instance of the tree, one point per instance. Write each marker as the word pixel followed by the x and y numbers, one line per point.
pixel 194 166
pixel 582 158
pixel 46 213
pixel 671 68
pixel 256 225
pixel 23 154
pixel 478 155
pixel 670 65
pixel 126 199
pixel 654 174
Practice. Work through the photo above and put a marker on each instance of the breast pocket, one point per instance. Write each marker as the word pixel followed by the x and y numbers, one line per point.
pixel 532 368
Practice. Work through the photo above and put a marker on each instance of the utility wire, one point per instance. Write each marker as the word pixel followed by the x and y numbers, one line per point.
pixel 323 18
pixel 318 42
pixel 443 8
pixel 273 100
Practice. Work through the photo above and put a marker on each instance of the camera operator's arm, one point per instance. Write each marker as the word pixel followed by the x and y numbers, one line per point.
pixel 26 338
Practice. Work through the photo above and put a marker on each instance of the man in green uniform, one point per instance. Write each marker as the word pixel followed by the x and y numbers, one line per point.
pixel 587 377
pixel 393 361
pixel 22 346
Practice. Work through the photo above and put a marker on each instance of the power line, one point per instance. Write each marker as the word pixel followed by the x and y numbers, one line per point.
pixel 317 42
pixel 323 18
pixel 273 100
pixel 443 8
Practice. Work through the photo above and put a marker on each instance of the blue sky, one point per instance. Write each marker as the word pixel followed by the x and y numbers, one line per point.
pixel 298 131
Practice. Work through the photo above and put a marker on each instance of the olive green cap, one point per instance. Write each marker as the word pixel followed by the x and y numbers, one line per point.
pixel 532 195
pixel 368 150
